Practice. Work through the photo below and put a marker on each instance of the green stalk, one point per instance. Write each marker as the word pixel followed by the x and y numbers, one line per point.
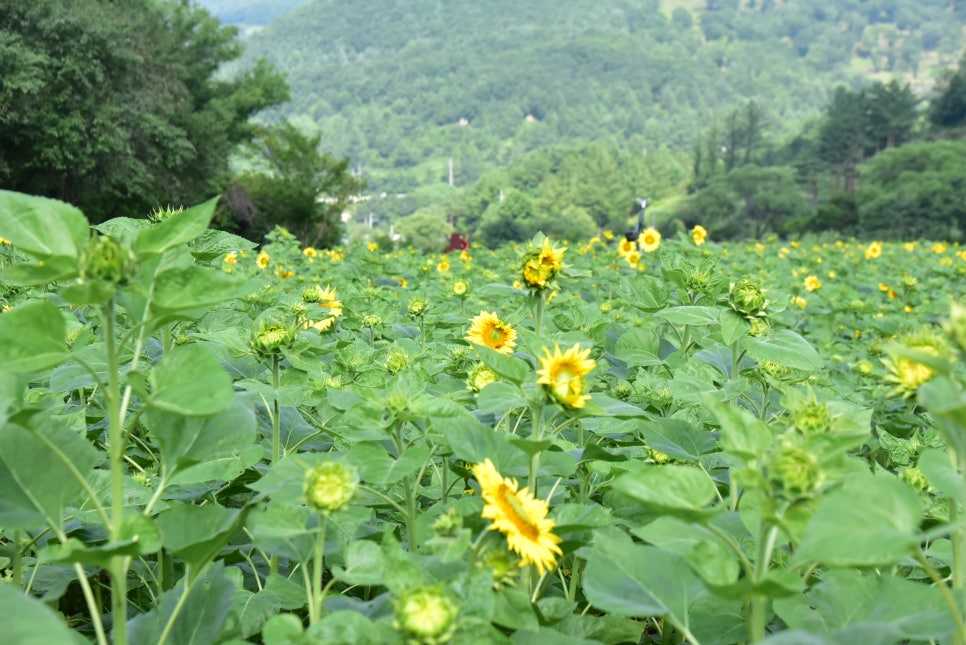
pixel 410 514
pixel 17 580
pixel 539 304
pixel 759 602
pixel 276 422
pixel 189 584
pixel 118 564
pixel 960 635
pixel 315 596
pixel 536 414
pixel 92 606
pixel 959 536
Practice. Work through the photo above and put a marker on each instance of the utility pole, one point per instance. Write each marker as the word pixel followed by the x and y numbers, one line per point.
pixel 451 171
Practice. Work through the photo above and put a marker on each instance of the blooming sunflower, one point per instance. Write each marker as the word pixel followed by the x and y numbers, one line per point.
pixel 488 330
pixel 873 251
pixel 649 240
pixel 699 235
pixel 625 247
pixel 520 516
pixel 541 265
pixel 262 259
pixel 563 375
pixel 812 283
pixel 310 252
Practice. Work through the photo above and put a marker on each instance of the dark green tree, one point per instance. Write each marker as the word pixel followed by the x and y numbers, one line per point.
pixel 916 190
pixel 891 113
pixel 294 186
pixel 948 109
pixel 115 107
pixel 843 136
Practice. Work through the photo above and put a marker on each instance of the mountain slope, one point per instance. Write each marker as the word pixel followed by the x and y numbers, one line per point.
pixel 391 83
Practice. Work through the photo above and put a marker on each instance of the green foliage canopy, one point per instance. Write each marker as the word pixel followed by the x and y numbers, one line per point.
pixel 114 106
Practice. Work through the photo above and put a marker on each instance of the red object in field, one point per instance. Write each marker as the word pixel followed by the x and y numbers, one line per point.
pixel 457 243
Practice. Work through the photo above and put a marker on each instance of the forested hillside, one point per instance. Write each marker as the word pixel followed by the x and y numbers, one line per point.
pixel 404 87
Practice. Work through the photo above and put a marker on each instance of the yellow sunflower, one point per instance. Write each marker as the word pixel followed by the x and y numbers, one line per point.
pixel 540 266
pixel 649 240
pixel 873 251
pixel 625 247
pixel 488 330
pixel 812 283
pixel 520 516
pixel 699 235
pixel 310 252
pixel 552 257
pixel 563 374
pixel 262 259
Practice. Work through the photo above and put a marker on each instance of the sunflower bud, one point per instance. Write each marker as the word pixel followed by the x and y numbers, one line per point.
pixel 271 336
pixel 748 298
pixel 811 417
pixel 331 485
pixel 397 360
pixel 461 288
pixel 426 615
pixel 107 260
pixel 417 307
pixel 480 376
pixel 793 471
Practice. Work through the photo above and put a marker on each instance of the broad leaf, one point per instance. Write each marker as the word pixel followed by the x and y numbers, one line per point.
pixel 33 337
pixel 189 380
pixel 869 521
pixel 42 227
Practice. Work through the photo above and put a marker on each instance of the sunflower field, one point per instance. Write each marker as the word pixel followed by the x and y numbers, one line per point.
pixel 597 441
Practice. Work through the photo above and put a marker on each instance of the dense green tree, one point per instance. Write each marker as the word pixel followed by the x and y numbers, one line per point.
pixel 115 106
pixel 891 113
pixel 917 190
pixel 843 135
pixel 749 201
pixel 948 109
pixel 427 230
pixel 507 220
pixel 295 186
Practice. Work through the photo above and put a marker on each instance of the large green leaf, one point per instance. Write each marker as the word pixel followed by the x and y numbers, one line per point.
pixel 644 292
pixel 179 228
pixel 42 227
pixel 887 609
pixel 742 434
pixel 194 287
pixel 511 368
pixel 40 468
pixel 641 581
pixel 786 347
pixel 196 534
pixel 869 521
pixel 187 441
pixel 32 337
pixel 672 489
pixel 30 622
pixel 693 315
pixel 678 439
pixel 201 618
pixel 189 380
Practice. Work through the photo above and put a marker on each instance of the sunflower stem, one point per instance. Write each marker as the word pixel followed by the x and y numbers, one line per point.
pixel 318 564
pixel 536 414
pixel 539 304
pixel 410 514
pixel 118 564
